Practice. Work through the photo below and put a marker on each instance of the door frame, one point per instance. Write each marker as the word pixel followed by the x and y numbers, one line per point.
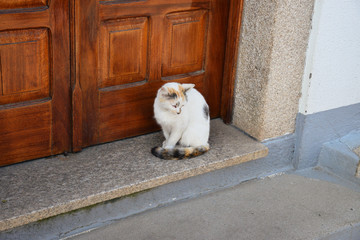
pixel 229 69
pixel 231 57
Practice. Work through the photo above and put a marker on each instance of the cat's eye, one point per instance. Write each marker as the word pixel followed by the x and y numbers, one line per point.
pixel 172 95
pixel 174 106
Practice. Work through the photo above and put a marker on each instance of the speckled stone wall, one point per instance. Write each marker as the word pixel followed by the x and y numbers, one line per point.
pixel 273 43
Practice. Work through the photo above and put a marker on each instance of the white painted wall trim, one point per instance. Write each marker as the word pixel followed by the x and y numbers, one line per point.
pixel 303 102
pixel 333 57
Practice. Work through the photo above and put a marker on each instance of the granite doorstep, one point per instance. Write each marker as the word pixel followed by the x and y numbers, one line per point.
pixel 43 188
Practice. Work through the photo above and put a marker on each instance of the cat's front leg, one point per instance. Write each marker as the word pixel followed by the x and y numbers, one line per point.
pixel 173 139
pixel 166 133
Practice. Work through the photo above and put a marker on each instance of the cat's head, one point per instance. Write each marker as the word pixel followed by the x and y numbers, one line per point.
pixel 172 96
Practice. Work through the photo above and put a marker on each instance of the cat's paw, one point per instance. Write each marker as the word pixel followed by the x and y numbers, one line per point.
pixel 169 147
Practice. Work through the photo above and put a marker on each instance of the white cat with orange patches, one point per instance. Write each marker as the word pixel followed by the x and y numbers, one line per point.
pixel 183 115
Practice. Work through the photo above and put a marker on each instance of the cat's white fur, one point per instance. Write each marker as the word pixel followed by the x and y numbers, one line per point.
pixel 186 124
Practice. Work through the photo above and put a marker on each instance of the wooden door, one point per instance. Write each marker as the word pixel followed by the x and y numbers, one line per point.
pixel 34 84
pixel 126 49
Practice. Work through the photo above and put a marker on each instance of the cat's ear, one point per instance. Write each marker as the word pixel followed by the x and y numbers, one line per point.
pixel 187 86
pixel 163 91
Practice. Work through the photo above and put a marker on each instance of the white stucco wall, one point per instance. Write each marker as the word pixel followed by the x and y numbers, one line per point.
pixel 333 57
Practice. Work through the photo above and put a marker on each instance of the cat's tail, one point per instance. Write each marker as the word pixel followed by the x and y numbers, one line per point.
pixel 179 153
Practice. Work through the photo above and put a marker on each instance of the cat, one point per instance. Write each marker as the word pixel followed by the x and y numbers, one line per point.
pixel 183 115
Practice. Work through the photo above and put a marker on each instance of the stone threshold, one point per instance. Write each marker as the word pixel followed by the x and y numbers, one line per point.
pixel 43 188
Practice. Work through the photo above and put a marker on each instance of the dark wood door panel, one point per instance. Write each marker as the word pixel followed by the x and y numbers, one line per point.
pixel 25 132
pixel 136 3
pixel 125 118
pixel 35 79
pixel 21 19
pixel 25 67
pixel 185 42
pixel 22 4
pixel 123 51
pixel 150 8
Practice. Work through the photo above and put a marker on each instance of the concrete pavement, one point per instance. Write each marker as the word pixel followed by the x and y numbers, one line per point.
pixel 280 207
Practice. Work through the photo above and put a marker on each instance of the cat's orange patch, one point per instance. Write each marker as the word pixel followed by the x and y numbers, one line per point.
pixel 181 88
pixel 182 91
pixel 172 91
pixel 179 93
pixel 188 152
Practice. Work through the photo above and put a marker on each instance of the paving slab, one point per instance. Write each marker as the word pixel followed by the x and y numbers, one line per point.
pixel 281 207
pixel 47 187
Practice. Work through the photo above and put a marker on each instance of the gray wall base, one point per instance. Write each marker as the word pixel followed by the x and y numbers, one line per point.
pixel 313 130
